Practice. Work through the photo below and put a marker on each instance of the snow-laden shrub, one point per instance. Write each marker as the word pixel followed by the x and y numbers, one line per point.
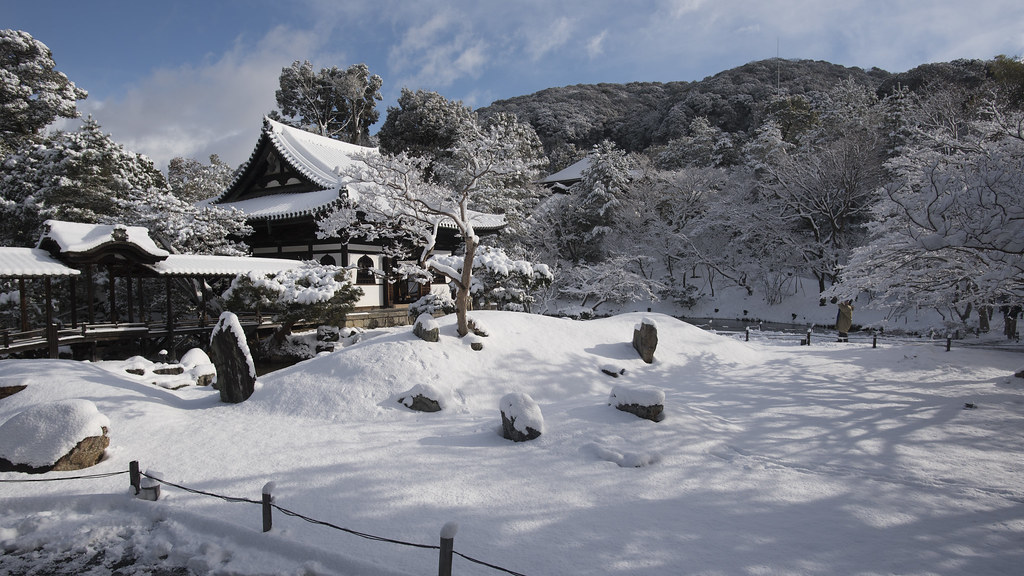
pixel 433 303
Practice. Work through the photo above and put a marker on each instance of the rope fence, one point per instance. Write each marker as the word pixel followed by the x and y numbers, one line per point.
pixel 147 485
pixel 873 338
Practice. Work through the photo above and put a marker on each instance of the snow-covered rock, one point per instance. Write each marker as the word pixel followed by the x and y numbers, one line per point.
pixel 47 435
pixel 645 339
pixel 645 401
pixel 236 371
pixel 521 418
pixel 427 328
pixel 423 398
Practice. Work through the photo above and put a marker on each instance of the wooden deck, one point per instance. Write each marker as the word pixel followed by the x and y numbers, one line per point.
pixel 148 335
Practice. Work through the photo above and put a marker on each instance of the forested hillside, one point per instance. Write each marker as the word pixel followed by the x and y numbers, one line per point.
pixel 572 119
pixel 907 188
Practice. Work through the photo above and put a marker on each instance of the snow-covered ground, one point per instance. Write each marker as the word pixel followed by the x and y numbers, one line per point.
pixel 773 458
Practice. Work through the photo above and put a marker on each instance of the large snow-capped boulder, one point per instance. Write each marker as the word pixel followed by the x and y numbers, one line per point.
pixel 644 401
pixel 62 435
pixel 427 328
pixel 521 418
pixel 645 339
pixel 236 371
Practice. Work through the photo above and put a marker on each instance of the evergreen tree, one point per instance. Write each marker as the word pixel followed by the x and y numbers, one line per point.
pixel 425 125
pixel 192 181
pixel 333 102
pixel 32 92
pixel 80 176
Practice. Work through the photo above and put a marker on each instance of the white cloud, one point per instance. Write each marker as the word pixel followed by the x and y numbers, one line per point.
pixel 541 40
pixel 438 52
pixel 595 46
pixel 213 107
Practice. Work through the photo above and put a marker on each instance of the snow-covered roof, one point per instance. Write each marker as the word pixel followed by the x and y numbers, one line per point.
pixel 319 158
pixel 569 174
pixel 76 237
pixel 289 205
pixel 481 221
pixel 205 265
pixel 323 161
pixel 31 262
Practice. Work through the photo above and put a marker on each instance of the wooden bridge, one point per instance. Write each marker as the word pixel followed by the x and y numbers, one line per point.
pixel 85 339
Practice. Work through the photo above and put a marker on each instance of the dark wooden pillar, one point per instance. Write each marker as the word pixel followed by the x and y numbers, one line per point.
pixel 73 287
pixel 51 328
pixel 113 295
pixel 130 303
pixel 23 301
pixel 143 316
pixel 90 295
pixel 203 315
pixel 170 321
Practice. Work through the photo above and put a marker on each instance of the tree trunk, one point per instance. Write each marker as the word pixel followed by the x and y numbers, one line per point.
pixel 462 297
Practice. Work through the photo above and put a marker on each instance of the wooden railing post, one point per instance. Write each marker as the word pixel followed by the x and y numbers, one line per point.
pixel 444 562
pixel 134 476
pixel 268 499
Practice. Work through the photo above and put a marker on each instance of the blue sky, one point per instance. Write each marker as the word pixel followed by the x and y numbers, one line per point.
pixel 188 78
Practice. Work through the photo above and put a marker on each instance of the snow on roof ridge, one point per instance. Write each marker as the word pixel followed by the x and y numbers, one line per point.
pixel 297 146
pixel 32 262
pixel 82 237
pixel 284 205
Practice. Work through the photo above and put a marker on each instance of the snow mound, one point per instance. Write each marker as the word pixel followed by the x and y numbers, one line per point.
pixel 623 459
pixel 366 377
pixel 42 434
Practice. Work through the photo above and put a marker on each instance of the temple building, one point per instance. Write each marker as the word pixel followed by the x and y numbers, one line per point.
pixel 292 178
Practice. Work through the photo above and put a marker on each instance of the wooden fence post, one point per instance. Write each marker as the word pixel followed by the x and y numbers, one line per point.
pixel 874 340
pixel 268 499
pixel 134 476
pixel 949 342
pixel 444 562
pixel 808 336
pixel 748 334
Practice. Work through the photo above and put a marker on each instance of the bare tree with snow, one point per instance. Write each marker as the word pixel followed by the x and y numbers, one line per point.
pixel 393 199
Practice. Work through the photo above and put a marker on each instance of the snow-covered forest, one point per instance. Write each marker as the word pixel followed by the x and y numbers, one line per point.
pixel 906 189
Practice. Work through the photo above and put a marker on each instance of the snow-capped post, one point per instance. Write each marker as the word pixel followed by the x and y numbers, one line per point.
pixel 949 342
pixel 150 486
pixel 268 499
pixel 444 562
pixel 808 336
pixel 874 340
pixel 134 477
pixel 747 337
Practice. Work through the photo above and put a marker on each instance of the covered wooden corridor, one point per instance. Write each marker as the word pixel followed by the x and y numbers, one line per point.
pixel 88 284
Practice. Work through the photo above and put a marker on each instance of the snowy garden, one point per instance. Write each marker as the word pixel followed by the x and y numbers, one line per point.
pixel 770 457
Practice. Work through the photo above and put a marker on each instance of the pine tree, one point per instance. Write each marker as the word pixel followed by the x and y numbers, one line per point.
pixel 333 102
pixel 32 92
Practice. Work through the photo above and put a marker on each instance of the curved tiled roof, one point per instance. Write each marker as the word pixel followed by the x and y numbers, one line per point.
pixel 31 263
pixel 318 158
pixel 279 206
pixel 206 265
pixel 321 160
pixel 78 237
